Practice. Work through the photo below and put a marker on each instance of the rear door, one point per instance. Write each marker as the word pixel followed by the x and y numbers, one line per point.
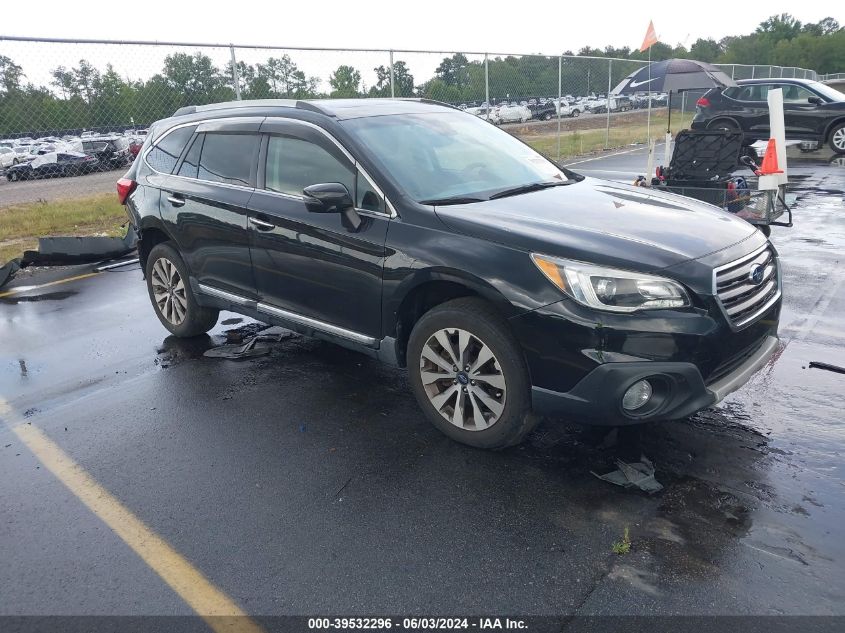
pixel 204 203
pixel 748 104
pixel 312 264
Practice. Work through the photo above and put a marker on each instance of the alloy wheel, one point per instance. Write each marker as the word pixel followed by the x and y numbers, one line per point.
pixel 169 291
pixel 838 139
pixel 463 379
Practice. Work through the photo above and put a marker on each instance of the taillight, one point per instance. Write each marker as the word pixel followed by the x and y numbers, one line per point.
pixel 125 186
pixel 704 102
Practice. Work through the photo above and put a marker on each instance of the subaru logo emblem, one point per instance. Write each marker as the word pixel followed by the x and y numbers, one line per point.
pixel 756 275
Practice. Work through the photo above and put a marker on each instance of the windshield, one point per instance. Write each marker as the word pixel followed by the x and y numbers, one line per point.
pixel 827 91
pixel 444 155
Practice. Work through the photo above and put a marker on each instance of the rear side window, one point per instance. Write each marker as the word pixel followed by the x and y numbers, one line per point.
pixel 228 158
pixel 293 164
pixel 751 92
pixel 165 154
pixel 192 159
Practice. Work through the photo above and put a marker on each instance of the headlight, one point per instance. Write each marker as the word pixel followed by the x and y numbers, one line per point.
pixel 609 288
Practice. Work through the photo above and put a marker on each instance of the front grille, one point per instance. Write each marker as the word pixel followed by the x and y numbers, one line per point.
pixel 743 299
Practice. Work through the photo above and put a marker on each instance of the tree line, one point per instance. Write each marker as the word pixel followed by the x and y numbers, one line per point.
pixel 84 96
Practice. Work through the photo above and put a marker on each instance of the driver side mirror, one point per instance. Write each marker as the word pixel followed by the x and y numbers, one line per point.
pixel 815 100
pixel 332 197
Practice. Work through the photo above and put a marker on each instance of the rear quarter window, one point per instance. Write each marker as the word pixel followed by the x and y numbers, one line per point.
pixel 165 153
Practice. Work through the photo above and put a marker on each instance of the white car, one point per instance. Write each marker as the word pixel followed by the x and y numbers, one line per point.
pixel 8 157
pixel 511 114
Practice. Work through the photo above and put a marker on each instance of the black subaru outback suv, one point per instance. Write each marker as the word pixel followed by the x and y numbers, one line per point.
pixel 418 234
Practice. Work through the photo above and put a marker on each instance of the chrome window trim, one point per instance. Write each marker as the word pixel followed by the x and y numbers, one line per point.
pixel 196 123
pixel 391 213
pixel 738 262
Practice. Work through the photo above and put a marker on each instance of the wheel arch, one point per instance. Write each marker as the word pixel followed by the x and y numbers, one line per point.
pixel 723 117
pixel 830 126
pixel 150 233
pixel 430 288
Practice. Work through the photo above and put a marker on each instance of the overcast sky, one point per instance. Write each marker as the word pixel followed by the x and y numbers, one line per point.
pixel 546 26
pixel 497 26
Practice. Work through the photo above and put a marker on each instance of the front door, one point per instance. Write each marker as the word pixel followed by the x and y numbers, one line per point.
pixel 315 265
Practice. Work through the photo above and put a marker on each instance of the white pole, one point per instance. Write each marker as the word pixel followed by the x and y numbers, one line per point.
pixel 650 164
pixel 778 129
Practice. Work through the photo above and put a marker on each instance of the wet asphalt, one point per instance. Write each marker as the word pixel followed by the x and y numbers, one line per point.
pixel 308 482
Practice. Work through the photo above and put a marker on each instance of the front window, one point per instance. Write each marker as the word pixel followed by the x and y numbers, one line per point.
pixel 451 155
pixel 831 94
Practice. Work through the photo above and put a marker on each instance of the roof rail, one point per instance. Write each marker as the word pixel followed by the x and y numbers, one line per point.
pixel 248 103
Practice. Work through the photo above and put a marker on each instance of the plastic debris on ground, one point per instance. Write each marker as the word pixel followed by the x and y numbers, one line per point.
pixel 258 345
pixel 635 475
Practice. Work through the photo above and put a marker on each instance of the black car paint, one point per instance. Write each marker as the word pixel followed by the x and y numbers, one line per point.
pixel 803 121
pixel 314 265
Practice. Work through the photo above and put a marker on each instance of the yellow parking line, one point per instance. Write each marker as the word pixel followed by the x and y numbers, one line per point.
pixel 19 289
pixel 218 610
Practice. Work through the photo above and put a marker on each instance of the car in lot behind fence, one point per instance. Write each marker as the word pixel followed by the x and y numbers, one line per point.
pixel 417 234
pixel 54 164
pixel 813 111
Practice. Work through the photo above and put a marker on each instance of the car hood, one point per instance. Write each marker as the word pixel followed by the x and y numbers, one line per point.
pixel 604 223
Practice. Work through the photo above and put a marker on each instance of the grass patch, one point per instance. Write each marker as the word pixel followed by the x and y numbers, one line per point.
pixel 579 142
pixel 624 546
pixel 21 225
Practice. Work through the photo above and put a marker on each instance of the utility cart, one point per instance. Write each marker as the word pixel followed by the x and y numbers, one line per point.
pixel 702 167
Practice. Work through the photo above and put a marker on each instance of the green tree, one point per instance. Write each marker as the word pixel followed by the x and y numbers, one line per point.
pixel 344 82
pixel 705 50
pixel 10 75
pixel 453 71
pixel 195 79
pixel 401 75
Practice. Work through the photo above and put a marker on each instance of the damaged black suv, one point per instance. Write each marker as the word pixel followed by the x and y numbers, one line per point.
pixel 510 288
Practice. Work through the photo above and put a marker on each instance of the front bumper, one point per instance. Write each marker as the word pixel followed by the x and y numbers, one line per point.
pixel 679 390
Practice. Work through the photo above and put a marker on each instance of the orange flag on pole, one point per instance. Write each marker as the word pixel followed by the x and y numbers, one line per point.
pixel 650 37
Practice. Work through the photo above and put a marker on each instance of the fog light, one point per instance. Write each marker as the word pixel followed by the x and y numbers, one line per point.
pixel 637 395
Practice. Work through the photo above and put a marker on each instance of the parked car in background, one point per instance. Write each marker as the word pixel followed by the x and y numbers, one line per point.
pixel 8 157
pixel 54 164
pixel 111 151
pixel 549 110
pixel 416 234
pixel 512 114
pixel 135 144
pixel 813 111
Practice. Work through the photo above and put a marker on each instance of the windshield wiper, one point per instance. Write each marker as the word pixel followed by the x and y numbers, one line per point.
pixel 453 200
pixel 534 186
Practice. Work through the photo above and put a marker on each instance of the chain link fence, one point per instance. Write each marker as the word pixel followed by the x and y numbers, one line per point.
pixel 59 90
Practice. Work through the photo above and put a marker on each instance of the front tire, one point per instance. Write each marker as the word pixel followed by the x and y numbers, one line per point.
pixel 469 376
pixel 170 293
pixel 837 139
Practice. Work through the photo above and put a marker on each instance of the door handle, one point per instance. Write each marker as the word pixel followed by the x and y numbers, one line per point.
pixel 261 225
pixel 176 200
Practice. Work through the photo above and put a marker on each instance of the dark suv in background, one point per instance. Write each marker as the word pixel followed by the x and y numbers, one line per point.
pixel 111 151
pixel 423 236
pixel 813 111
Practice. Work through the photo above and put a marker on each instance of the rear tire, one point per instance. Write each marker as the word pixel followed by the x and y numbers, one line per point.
pixel 836 140
pixel 486 406
pixel 171 295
